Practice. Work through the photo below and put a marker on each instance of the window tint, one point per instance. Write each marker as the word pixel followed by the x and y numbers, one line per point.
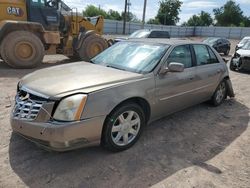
pixel 159 34
pixel 181 54
pixel 203 56
pixel 154 34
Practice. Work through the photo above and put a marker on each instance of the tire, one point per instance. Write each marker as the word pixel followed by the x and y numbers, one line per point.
pixel 118 133
pixel 231 66
pixel 22 49
pixel 240 66
pixel 91 46
pixel 219 94
pixel 227 52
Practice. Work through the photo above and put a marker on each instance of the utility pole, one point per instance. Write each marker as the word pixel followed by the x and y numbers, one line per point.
pixel 144 13
pixel 129 4
pixel 124 17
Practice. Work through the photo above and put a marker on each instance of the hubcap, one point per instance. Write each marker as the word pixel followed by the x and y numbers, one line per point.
pixel 220 94
pixel 24 50
pixel 95 49
pixel 125 128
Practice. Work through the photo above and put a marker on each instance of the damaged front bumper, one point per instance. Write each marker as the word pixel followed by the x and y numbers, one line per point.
pixel 241 63
pixel 61 136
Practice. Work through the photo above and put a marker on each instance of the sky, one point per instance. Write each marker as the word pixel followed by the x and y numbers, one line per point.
pixel 189 7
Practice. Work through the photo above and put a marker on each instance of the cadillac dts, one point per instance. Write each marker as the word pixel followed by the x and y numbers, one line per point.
pixel 109 100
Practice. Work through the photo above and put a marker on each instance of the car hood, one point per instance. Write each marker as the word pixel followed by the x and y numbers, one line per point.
pixel 83 77
pixel 243 52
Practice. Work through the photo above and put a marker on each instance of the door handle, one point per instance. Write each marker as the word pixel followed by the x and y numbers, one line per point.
pixel 218 71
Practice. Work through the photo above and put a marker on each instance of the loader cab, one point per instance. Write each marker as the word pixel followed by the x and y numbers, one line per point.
pixel 44 12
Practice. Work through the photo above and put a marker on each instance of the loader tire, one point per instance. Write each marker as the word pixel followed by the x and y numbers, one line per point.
pixel 91 46
pixel 22 49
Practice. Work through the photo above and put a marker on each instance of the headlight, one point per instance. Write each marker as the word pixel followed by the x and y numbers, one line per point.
pixel 70 108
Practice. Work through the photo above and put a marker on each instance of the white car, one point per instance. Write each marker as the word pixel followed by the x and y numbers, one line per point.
pixel 242 43
pixel 241 58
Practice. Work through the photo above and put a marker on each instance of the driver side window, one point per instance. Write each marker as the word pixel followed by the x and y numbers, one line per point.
pixel 181 54
pixel 39 3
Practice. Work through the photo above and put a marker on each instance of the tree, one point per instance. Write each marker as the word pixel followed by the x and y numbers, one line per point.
pixel 202 19
pixel 114 15
pixel 229 14
pixel 92 11
pixel 245 22
pixel 169 11
pixel 130 17
pixel 153 21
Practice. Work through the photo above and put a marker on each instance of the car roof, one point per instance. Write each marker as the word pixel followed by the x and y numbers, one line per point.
pixel 171 42
pixel 151 30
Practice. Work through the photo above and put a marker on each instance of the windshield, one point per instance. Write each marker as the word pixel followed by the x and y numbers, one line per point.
pixel 210 40
pixel 140 34
pixel 132 56
pixel 246 46
pixel 244 41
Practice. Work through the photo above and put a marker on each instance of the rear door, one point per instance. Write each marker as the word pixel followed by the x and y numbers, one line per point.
pixel 175 90
pixel 208 71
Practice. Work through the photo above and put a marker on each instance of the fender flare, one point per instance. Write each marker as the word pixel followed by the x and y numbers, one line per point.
pixel 9 26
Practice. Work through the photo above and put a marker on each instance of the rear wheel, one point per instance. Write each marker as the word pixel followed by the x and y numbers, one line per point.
pixel 123 127
pixel 219 94
pixel 91 46
pixel 227 52
pixel 22 49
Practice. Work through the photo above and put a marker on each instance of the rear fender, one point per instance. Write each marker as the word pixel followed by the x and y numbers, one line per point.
pixel 230 91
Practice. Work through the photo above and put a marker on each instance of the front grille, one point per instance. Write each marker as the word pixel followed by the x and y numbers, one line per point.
pixel 27 106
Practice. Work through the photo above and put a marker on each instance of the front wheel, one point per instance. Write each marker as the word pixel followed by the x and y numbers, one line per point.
pixel 219 94
pixel 123 127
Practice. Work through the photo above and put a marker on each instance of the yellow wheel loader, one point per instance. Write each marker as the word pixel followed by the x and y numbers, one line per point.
pixel 29 29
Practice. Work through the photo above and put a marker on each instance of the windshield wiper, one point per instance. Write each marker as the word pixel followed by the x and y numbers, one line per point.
pixel 91 61
pixel 119 68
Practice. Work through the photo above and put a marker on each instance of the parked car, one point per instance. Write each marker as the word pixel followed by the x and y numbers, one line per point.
pixel 145 33
pixel 221 45
pixel 241 58
pixel 110 100
pixel 242 43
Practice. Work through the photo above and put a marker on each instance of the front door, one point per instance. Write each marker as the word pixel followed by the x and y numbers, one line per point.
pixel 175 90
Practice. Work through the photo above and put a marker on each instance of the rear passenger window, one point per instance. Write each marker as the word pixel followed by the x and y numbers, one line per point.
pixel 181 54
pixel 213 58
pixel 204 55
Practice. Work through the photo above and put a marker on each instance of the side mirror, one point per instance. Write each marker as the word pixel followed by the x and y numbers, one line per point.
pixel 172 67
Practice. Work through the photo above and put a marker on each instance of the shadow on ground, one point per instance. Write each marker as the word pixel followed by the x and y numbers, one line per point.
pixel 187 138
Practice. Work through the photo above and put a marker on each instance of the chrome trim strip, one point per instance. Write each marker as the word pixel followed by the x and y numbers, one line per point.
pixel 179 94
